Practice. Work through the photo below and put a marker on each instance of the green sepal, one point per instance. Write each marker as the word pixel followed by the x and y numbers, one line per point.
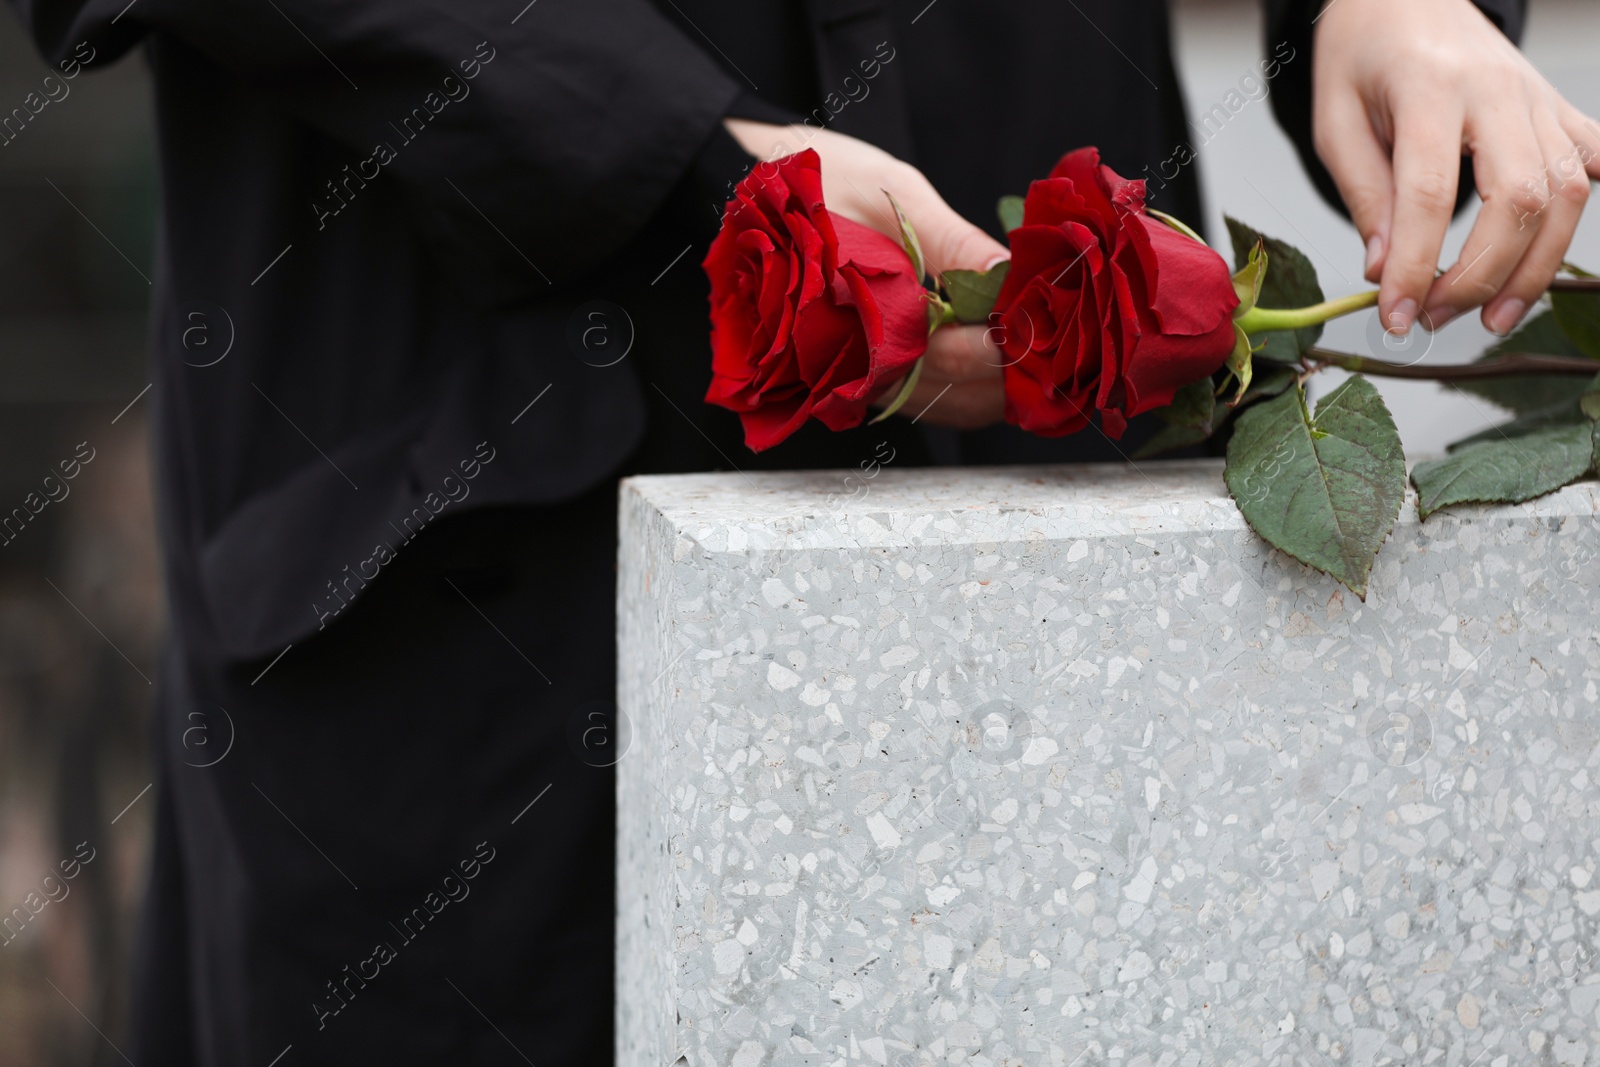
pixel 1241 362
pixel 908 238
pixel 902 396
pixel 972 293
pixel 1290 281
pixel 1010 212
pixel 1177 224
pixel 1248 281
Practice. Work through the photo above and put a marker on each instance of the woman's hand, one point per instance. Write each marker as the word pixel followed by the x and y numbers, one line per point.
pixel 962 384
pixel 1403 90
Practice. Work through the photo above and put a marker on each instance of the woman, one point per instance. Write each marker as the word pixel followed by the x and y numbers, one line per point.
pixel 457 241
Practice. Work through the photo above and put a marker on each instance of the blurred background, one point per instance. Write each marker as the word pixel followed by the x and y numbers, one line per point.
pixel 80 604
pixel 80 600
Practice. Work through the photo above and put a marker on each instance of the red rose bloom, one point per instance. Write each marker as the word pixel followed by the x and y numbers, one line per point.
pixel 811 314
pixel 1105 307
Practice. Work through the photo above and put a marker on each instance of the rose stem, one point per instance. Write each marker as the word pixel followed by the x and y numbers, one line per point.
pixel 1508 365
pixel 1261 320
pixel 1575 285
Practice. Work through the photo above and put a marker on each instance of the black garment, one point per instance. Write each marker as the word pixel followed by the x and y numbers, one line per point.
pixel 365 768
pixel 413 222
pixel 403 257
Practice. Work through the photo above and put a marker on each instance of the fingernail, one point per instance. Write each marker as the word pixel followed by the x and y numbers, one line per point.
pixel 996 261
pixel 1401 318
pixel 1504 318
pixel 1435 318
pixel 1374 251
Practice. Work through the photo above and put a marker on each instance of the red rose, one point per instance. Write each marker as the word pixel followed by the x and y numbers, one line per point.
pixel 1105 307
pixel 811 314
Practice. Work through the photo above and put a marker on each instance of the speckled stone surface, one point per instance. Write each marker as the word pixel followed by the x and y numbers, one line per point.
pixel 1062 766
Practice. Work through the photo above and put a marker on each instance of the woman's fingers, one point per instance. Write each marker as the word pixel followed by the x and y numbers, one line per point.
pixel 963 354
pixel 962 384
pixel 949 242
pixel 1439 81
pixel 1427 166
pixel 858 180
pixel 1359 163
pixel 1509 164
pixel 1550 216
pixel 967 406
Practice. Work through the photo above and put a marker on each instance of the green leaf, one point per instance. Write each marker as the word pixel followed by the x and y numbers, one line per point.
pixel 1183 431
pixel 1010 209
pixel 901 397
pixel 1190 419
pixel 1506 471
pixel 1193 405
pixel 1579 317
pixel 1589 402
pixel 1327 490
pixel 1170 439
pixel 1526 394
pixel 908 238
pixel 1290 282
pixel 972 293
pixel 1567 412
pixel 1247 283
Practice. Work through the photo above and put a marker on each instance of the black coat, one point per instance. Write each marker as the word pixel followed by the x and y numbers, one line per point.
pixel 395 219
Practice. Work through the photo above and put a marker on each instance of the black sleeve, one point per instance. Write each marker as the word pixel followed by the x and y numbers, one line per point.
pixel 1290 29
pixel 566 125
